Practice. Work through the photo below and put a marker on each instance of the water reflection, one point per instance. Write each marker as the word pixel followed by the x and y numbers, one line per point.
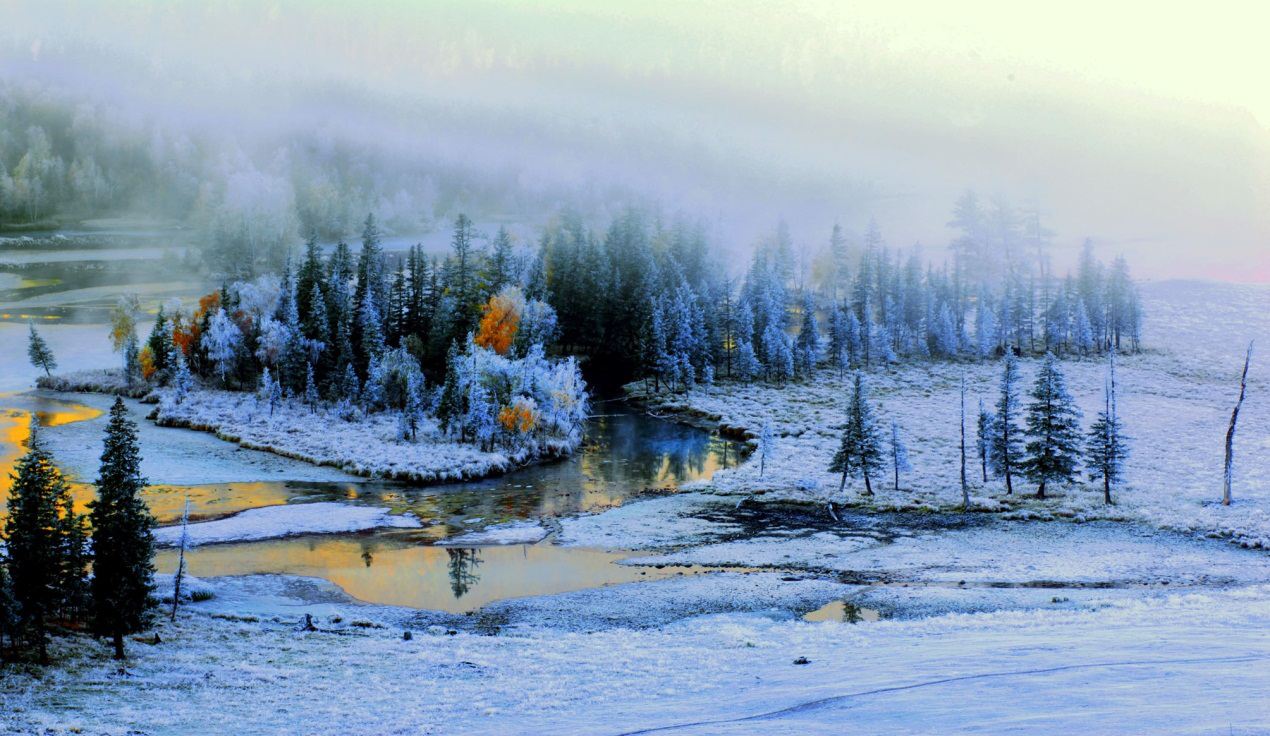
pixel 408 570
pixel 844 611
pixel 463 564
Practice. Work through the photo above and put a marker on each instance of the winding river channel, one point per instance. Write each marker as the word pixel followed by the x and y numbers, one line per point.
pixel 66 285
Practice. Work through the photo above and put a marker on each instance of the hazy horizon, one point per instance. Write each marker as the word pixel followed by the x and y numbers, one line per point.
pixel 1146 132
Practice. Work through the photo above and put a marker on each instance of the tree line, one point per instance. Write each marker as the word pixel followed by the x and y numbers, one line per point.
pixel 45 585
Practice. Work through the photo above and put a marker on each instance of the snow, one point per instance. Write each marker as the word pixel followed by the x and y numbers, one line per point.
pixel 367 448
pixel 1190 663
pixel 656 522
pixel 512 532
pixel 1174 400
pixel 270 522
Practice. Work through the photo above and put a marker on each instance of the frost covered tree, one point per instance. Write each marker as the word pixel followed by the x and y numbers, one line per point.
pixel 270 390
pixel 123 540
pixel 807 348
pixel 1005 449
pixel 983 438
pixel 182 379
pixel 311 396
pixel 222 341
pixel 1053 429
pixel 766 446
pixel 860 451
pixel 897 453
pixel 747 365
pixel 39 353
pixel 1106 446
pixel 123 330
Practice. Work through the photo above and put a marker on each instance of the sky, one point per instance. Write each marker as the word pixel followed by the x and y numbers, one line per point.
pixel 1141 126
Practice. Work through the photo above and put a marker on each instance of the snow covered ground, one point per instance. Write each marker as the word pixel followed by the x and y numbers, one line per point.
pixel 271 522
pixel 367 448
pixel 1190 663
pixel 1174 400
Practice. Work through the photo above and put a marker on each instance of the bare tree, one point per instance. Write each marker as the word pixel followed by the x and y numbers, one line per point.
pixel 1230 433
pixel 180 564
pixel 965 489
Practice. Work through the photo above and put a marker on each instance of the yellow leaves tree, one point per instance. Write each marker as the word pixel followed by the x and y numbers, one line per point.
pixel 146 360
pixel 501 320
pixel 521 417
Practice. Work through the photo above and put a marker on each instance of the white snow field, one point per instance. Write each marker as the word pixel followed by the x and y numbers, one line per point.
pixel 1196 664
pixel 1174 401
pixel 270 522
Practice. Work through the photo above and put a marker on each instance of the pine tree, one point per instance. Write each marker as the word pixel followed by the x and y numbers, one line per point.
pixel 160 344
pixel 123 543
pixel 33 537
pixel 1005 447
pixel 965 487
pixel 898 453
pixel 1107 447
pixel 861 447
pixel 983 439
pixel 311 395
pixel 182 380
pixel 40 353
pixel 1053 428
pixel 807 348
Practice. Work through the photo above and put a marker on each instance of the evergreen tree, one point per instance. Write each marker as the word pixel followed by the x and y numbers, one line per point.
pixel 160 344
pixel 1005 447
pixel 1107 447
pixel 33 537
pixel 182 379
pixel 861 449
pixel 807 348
pixel 311 396
pixel 40 354
pixel 1053 427
pixel 984 433
pixel 123 543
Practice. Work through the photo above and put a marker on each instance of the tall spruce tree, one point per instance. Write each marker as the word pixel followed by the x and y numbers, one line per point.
pixel 123 541
pixel 40 354
pixel 1107 447
pixel 1053 428
pixel 1005 449
pixel 33 537
pixel 860 451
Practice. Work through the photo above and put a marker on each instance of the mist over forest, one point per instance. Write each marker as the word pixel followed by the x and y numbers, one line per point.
pixel 253 126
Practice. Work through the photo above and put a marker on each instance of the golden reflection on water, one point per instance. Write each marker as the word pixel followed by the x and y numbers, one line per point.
pixel 844 611
pixel 15 430
pixel 395 569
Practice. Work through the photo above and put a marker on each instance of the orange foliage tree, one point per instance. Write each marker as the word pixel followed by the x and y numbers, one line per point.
pixel 501 320
pixel 522 416
pixel 146 360
pixel 185 334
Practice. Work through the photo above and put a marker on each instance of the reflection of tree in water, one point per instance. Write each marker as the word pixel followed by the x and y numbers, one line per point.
pixel 463 564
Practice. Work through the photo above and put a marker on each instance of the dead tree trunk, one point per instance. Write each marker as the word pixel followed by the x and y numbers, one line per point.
pixel 1230 433
pixel 965 489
